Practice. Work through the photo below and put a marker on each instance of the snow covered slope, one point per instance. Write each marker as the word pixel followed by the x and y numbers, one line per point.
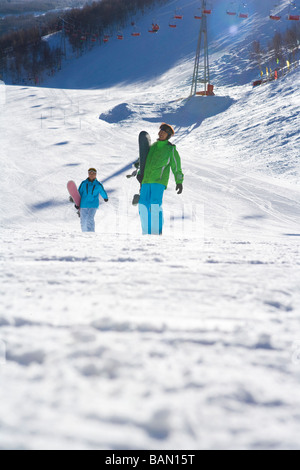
pixel 118 341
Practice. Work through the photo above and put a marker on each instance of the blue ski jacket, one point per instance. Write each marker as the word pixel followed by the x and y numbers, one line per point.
pixel 89 192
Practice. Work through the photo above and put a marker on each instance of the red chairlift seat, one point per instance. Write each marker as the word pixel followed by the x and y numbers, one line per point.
pixel 172 25
pixel 275 17
pixel 243 15
pixel 135 34
pixel 120 37
pixel 294 17
pixel 207 11
pixel 231 13
pixel 197 17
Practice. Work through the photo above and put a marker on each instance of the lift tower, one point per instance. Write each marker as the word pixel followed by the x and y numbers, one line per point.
pixel 201 71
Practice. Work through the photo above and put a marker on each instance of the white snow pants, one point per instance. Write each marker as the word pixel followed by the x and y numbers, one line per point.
pixel 87 219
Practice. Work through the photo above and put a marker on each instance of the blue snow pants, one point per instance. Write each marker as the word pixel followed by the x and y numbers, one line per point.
pixel 150 208
pixel 87 219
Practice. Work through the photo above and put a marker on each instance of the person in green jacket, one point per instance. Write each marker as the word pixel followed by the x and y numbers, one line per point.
pixel 162 157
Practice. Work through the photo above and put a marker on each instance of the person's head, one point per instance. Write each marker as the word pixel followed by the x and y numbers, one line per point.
pixel 92 174
pixel 165 131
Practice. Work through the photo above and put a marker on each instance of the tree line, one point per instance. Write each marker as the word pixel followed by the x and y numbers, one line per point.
pixel 24 54
pixel 283 48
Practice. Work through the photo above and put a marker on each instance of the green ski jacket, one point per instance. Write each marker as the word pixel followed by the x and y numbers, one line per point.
pixel 161 157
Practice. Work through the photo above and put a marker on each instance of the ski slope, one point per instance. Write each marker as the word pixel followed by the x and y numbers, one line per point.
pixel 115 340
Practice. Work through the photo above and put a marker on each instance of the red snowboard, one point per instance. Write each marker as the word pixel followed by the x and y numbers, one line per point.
pixel 72 188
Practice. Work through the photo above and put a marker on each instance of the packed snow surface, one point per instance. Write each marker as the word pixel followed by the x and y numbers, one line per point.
pixel 115 340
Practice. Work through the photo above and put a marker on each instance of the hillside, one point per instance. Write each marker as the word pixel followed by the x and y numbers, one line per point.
pixel 143 58
pixel 115 340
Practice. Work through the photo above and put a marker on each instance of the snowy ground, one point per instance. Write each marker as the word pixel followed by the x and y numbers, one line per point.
pixel 117 341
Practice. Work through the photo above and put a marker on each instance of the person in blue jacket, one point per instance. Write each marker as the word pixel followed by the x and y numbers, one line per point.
pixel 89 190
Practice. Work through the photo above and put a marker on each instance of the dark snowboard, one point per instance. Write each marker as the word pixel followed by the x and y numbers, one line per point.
pixel 144 147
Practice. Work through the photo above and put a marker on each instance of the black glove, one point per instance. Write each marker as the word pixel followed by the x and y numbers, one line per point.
pixel 140 177
pixel 179 188
pixel 106 200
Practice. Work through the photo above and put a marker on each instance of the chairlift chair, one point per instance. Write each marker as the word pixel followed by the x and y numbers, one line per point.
pixel 135 33
pixel 232 9
pixel 207 9
pixel 172 23
pixel 275 16
pixel 243 13
pixel 178 15
pixel 293 14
